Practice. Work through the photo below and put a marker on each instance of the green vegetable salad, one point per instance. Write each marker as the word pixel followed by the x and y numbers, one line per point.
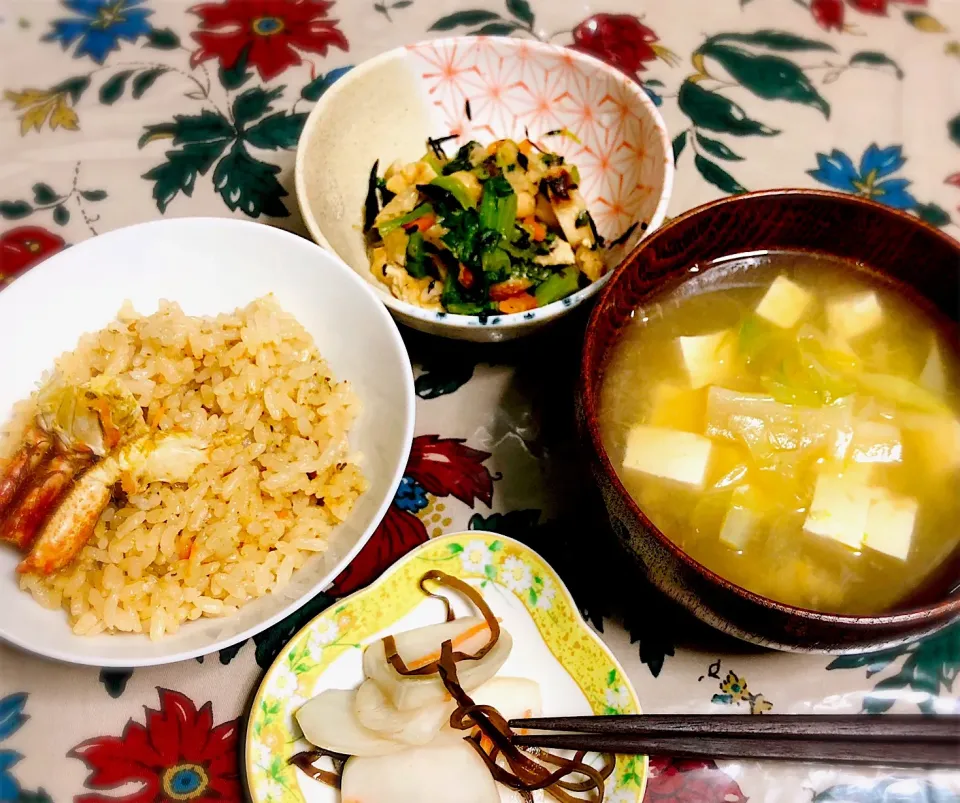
pixel 496 229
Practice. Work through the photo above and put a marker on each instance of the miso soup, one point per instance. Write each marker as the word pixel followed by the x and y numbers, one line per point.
pixel 792 424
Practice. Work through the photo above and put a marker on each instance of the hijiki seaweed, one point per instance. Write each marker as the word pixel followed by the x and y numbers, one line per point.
pixel 304 760
pixel 370 207
pixel 528 769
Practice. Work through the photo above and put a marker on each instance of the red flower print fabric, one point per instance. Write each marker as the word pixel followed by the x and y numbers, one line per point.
pixel 25 246
pixel 619 39
pixel 177 754
pixel 266 34
pixel 690 781
pixel 445 467
pixel 396 535
pixel 437 467
pixel 829 14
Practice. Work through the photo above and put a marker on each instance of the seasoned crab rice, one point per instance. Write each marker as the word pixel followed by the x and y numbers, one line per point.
pixel 279 479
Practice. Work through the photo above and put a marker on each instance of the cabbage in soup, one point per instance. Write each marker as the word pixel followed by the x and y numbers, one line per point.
pixel 793 425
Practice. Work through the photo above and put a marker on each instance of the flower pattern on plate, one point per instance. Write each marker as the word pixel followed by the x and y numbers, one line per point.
pixel 548 91
pixel 516 575
pixel 545 591
pixel 476 557
pixel 326 633
pixel 617 698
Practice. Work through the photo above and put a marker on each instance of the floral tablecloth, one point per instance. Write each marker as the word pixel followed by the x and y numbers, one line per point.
pixel 119 111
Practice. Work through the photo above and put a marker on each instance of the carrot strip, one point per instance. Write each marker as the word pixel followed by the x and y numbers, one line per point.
pixel 520 303
pixel 537 230
pixel 111 433
pixel 155 416
pixel 457 641
pixel 510 287
pixel 186 547
pixel 421 224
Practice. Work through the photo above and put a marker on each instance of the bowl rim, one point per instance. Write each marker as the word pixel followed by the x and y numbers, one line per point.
pixel 591 362
pixel 516 319
pixel 37 275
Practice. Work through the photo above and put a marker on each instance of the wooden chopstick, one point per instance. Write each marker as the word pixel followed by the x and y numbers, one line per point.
pixel 859 727
pixel 889 753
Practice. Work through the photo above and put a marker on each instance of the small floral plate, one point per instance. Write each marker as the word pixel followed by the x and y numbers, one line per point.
pixel 551 643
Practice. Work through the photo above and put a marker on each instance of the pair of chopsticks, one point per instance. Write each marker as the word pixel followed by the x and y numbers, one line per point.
pixel 893 740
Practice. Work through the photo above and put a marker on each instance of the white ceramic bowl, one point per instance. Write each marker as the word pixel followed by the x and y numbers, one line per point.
pixel 208 265
pixel 387 107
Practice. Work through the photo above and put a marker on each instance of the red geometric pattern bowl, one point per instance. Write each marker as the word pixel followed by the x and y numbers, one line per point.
pixel 485 88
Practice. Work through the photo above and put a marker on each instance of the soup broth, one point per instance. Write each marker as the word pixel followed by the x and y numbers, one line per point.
pixel 792 424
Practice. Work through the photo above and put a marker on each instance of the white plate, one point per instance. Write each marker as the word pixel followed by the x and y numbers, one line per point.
pixel 208 266
pixel 552 644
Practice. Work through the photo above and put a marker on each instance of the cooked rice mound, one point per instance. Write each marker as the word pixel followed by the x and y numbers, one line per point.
pixel 279 479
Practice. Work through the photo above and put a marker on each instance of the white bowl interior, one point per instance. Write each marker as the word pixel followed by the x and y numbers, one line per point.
pixel 208 266
pixel 386 109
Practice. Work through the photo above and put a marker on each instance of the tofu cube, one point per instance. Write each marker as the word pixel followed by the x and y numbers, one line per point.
pixel 667 453
pixel 839 510
pixel 707 358
pixel 840 446
pixel 858 473
pixel 677 407
pixel 854 473
pixel 934 375
pixel 568 213
pixel 854 316
pixel 890 523
pixel 784 303
pixel 876 442
pixel 741 520
pixel 560 254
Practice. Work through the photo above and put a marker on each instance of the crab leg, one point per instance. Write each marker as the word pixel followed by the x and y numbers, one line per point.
pixel 74 520
pixel 166 458
pixel 44 494
pixel 36 445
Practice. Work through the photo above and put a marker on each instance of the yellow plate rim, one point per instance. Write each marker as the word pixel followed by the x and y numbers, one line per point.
pixel 640 764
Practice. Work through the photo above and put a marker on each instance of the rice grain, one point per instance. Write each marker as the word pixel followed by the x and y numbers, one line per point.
pixel 252 382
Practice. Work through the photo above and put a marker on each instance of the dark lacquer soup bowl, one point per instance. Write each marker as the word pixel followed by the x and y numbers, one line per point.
pixel 921 262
